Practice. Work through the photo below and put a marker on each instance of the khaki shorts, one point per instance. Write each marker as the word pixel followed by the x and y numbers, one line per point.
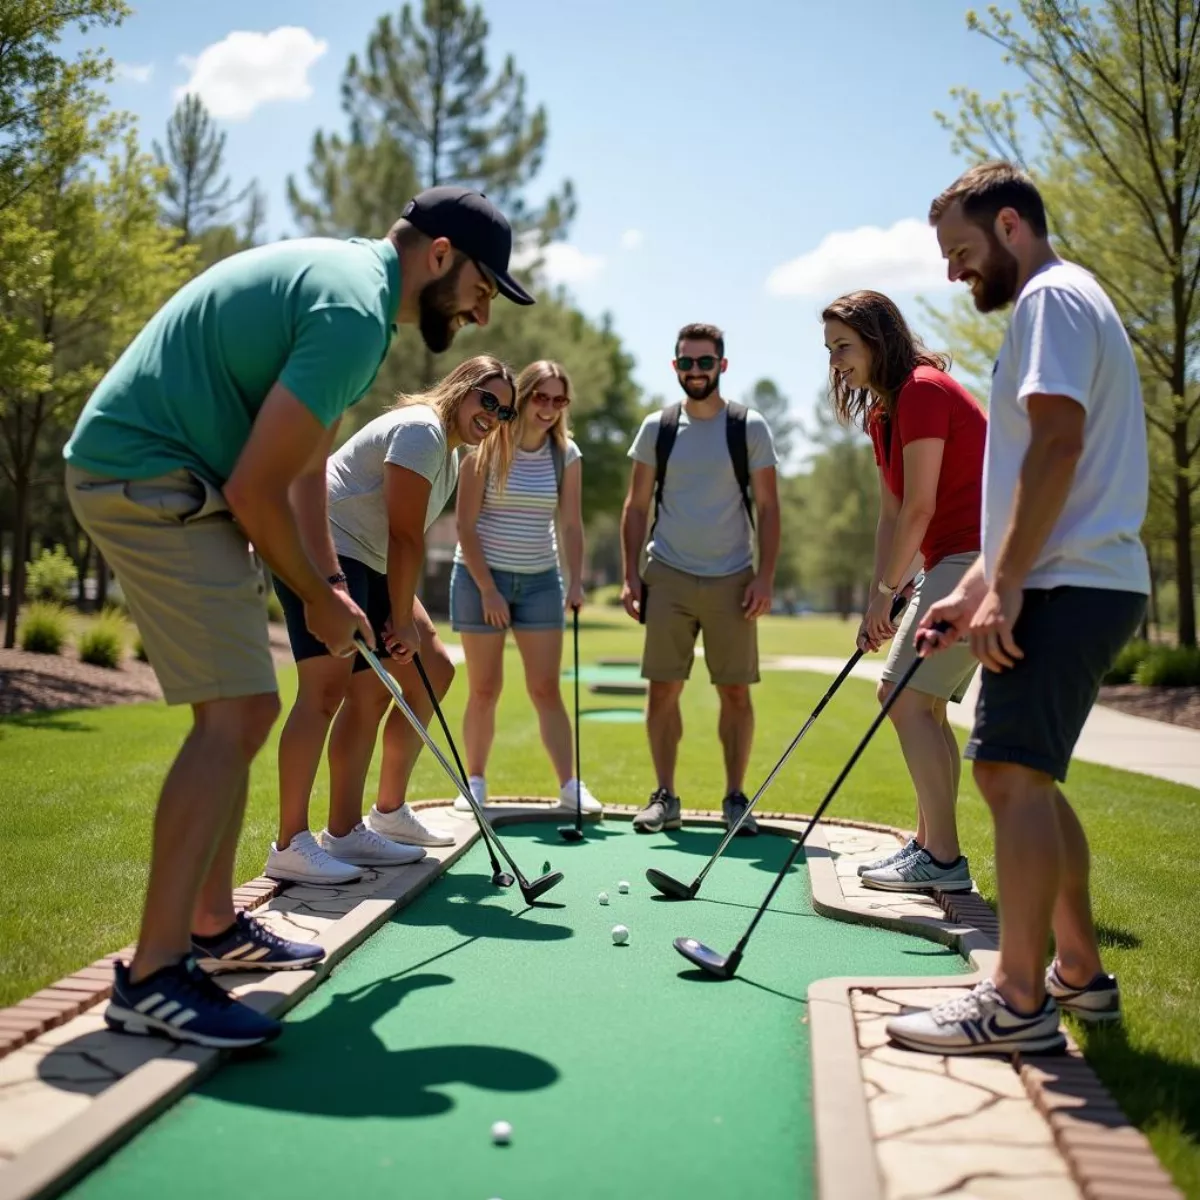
pixel 195 589
pixel 948 673
pixel 678 607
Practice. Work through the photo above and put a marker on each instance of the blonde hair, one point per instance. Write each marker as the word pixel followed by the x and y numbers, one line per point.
pixel 527 383
pixel 446 397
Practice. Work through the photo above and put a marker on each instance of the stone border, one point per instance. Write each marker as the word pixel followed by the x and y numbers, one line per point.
pixel 1106 1157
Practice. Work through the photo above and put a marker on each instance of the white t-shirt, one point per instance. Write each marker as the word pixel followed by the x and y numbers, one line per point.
pixel 515 526
pixel 1065 338
pixel 411 436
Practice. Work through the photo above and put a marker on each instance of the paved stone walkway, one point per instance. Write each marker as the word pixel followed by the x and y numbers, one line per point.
pixel 1110 738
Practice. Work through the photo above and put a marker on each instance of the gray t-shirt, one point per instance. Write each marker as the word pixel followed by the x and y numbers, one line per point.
pixel 702 526
pixel 412 437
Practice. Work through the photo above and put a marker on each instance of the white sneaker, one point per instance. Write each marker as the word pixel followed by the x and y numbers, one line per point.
pixel 365 848
pixel 404 825
pixel 567 798
pixel 478 786
pixel 303 861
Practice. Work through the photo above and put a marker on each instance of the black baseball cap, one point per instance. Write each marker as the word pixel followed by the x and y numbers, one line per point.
pixel 474 225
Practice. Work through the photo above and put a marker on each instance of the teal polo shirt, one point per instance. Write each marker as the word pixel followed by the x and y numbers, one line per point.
pixel 315 314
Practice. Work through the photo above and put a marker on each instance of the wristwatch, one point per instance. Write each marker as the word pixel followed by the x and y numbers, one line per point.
pixel 340 577
pixel 883 589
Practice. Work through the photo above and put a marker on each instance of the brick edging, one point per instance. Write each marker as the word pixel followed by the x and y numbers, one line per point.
pixel 67 998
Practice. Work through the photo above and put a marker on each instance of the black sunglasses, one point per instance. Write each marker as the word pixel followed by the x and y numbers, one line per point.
pixel 706 362
pixel 491 403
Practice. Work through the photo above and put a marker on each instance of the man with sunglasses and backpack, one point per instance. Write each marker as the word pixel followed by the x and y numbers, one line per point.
pixel 708 467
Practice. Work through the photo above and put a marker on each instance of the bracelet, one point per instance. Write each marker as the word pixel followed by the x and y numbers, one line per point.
pixel 340 577
pixel 883 589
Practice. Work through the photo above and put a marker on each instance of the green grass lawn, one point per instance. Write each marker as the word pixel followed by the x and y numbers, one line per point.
pixel 78 794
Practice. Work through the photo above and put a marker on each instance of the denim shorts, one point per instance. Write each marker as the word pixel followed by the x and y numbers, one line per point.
pixel 368 589
pixel 535 600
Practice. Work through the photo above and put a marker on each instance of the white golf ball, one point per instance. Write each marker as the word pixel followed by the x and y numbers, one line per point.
pixel 623 886
pixel 620 935
pixel 501 1132
pixel 603 897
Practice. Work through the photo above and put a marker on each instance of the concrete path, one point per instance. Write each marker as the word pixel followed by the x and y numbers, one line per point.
pixel 1110 738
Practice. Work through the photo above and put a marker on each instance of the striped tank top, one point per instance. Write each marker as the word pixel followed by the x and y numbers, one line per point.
pixel 516 527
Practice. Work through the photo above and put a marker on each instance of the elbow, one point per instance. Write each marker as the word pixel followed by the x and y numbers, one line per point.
pixel 1066 451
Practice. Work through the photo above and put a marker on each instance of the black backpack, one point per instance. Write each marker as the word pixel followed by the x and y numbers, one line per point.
pixel 735 438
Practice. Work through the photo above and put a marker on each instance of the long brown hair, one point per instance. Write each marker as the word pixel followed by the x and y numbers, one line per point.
pixel 895 353
pixel 528 382
pixel 447 396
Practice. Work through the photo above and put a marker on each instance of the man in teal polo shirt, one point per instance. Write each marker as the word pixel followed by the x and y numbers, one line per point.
pixel 203 451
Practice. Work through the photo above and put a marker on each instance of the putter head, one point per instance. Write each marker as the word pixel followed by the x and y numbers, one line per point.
pixel 704 957
pixel 503 879
pixel 569 833
pixel 670 887
pixel 540 886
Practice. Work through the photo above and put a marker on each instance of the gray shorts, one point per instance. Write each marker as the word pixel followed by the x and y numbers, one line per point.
pixel 1032 713
pixel 948 674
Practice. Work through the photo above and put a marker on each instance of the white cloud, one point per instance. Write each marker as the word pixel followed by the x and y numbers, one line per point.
pixel 561 262
pixel 135 72
pixel 903 258
pixel 245 70
pixel 631 239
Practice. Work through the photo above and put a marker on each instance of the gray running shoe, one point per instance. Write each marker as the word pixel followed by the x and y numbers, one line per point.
pixel 661 812
pixel 909 847
pixel 732 808
pixel 919 873
pixel 1099 1001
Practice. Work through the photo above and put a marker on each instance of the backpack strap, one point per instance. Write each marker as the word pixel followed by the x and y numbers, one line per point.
pixel 668 427
pixel 739 452
pixel 556 456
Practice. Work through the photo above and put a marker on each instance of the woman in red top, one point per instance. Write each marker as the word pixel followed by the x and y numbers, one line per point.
pixel 928 433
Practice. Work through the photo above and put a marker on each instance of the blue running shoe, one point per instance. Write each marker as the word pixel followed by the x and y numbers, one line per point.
pixel 248 945
pixel 182 1003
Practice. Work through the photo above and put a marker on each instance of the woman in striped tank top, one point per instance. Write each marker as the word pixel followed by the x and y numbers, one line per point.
pixel 506 574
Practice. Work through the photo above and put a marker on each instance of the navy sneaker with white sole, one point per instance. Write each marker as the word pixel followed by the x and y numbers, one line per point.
pixel 248 945
pixel 181 1002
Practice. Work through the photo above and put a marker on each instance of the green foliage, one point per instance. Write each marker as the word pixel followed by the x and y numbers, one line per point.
pixel 51 576
pixel 274 608
pixel 139 649
pixel 1169 666
pixel 37 85
pixel 104 640
pixel 766 397
pixel 1128 659
pixel 44 628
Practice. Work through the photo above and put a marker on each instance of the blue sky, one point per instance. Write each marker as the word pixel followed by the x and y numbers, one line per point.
pixel 736 163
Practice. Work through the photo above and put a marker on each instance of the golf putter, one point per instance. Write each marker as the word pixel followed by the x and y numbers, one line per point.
pixel 674 888
pixel 574 833
pixel 529 890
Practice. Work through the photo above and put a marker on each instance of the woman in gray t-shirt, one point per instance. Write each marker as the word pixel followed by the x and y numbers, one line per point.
pixel 387 484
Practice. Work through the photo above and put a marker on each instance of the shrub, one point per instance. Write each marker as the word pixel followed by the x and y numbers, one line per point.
pixel 274 608
pixel 44 628
pixel 1127 661
pixel 103 642
pixel 139 649
pixel 51 576
pixel 1169 666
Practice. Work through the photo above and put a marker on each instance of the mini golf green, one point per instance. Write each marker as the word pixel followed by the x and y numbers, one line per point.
pixel 622 1071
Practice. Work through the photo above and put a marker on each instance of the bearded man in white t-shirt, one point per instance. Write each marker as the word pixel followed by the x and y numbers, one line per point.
pixel 1059 587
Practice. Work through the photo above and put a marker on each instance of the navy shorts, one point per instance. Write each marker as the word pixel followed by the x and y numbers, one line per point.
pixel 535 600
pixel 368 589
pixel 1032 713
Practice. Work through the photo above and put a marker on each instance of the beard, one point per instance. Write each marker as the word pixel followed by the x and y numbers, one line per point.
pixel 701 389
pixel 438 309
pixel 997 277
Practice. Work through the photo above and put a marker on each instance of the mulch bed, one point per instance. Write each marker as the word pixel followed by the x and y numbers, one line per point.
pixel 44 682
pixel 1175 706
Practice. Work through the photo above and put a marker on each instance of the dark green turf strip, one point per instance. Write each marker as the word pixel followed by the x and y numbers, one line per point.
pixel 621 1075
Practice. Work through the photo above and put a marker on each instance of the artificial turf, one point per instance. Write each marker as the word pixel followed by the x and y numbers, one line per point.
pixel 623 1070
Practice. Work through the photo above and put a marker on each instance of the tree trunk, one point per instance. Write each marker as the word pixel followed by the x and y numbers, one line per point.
pixel 101 582
pixel 84 566
pixel 16 578
pixel 1184 578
